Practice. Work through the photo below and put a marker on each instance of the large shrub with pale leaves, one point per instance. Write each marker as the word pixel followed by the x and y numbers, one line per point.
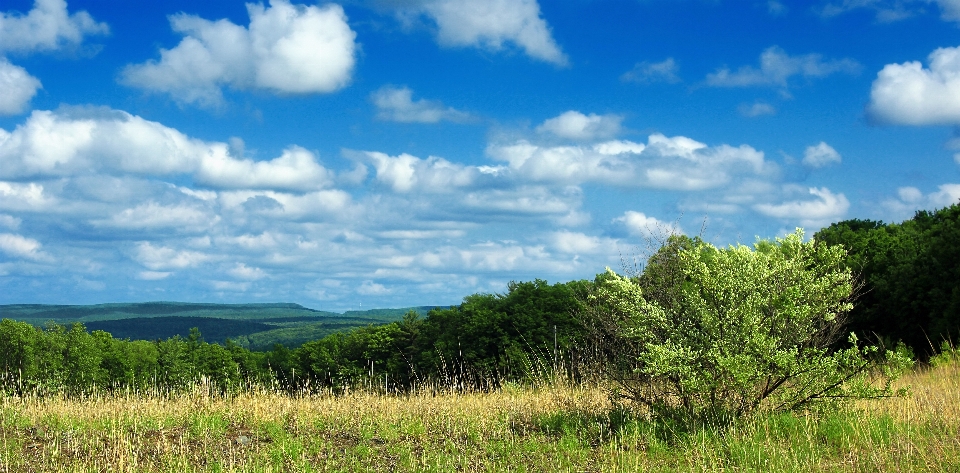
pixel 710 334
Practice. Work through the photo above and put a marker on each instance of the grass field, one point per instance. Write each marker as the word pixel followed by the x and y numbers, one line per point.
pixel 546 428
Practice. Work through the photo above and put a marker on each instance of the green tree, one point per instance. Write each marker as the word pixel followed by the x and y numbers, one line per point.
pixel 738 329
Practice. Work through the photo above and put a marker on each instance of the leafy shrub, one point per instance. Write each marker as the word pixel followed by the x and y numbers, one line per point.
pixel 712 334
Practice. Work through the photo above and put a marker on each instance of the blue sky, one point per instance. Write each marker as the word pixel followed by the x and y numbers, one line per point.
pixel 407 152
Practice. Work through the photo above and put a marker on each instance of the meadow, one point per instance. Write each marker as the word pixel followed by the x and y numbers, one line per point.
pixel 544 426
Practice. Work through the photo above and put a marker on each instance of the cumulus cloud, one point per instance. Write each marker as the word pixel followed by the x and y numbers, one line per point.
pixel 826 207
pixel 491 24
pixel 820 155
pixel 574 125
pixel 242 271
pixel 18 87
pixel 648 73
pixel 678 163
pixel 777 68
pixel 639 224
pixel 397 104
pixel 163 258
pixel 757 109
pixel 29 197
pixel 286 49
pixel 75 142
pixel 909 94
pixel 405 173
pixel 47 26
pixel 20 247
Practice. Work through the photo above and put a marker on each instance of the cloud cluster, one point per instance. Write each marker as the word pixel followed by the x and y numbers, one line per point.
pixel 140 204
pixel 286 49
pixel 397 104
pixel 777 68
pixel 910 94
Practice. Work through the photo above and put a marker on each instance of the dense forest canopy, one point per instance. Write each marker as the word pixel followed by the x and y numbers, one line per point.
pixel 910 273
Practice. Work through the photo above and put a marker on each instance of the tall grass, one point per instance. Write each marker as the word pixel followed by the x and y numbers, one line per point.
pixel 550 426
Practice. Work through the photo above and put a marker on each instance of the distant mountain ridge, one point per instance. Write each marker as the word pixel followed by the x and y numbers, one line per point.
pixel 255 326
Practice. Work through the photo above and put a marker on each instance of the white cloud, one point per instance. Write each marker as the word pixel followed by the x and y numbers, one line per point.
pixel 370 288
pixel 678 163
pixel 911 199
pixel 18 87
pixel 162 258
pixel 616 147
pixel 153 275
pixel 776 8
pixel 230 286
pixel 24 197
pixel 296 168
pixel 639 224
pixel 46 27
pixel 405 173
pixel 812 213
pixel 909 94
pixel 397 104
pixel 578 243
pixel 76 142
pixel 420 234
pixel 889 11
pixel 490 24
pixel 287 49
pixel 523 200
pixel 20 247
pixel 242 271
pixel 648 73
pixel 777 67
pixel 757 109
pixel 10 221
pixel 153 216
pixel 949 9
pixel 577 126
pixel 820 155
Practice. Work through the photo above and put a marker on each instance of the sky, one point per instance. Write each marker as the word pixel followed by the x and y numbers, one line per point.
pixel 392 153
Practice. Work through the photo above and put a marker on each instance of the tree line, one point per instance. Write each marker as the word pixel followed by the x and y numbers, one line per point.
pixel 909 277
pixel 487 339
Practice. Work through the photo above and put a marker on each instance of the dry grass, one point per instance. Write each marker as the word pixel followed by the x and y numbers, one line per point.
pixel 552 428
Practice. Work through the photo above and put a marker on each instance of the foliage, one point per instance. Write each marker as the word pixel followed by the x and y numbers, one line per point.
pixel 911 276
pixel 719 333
